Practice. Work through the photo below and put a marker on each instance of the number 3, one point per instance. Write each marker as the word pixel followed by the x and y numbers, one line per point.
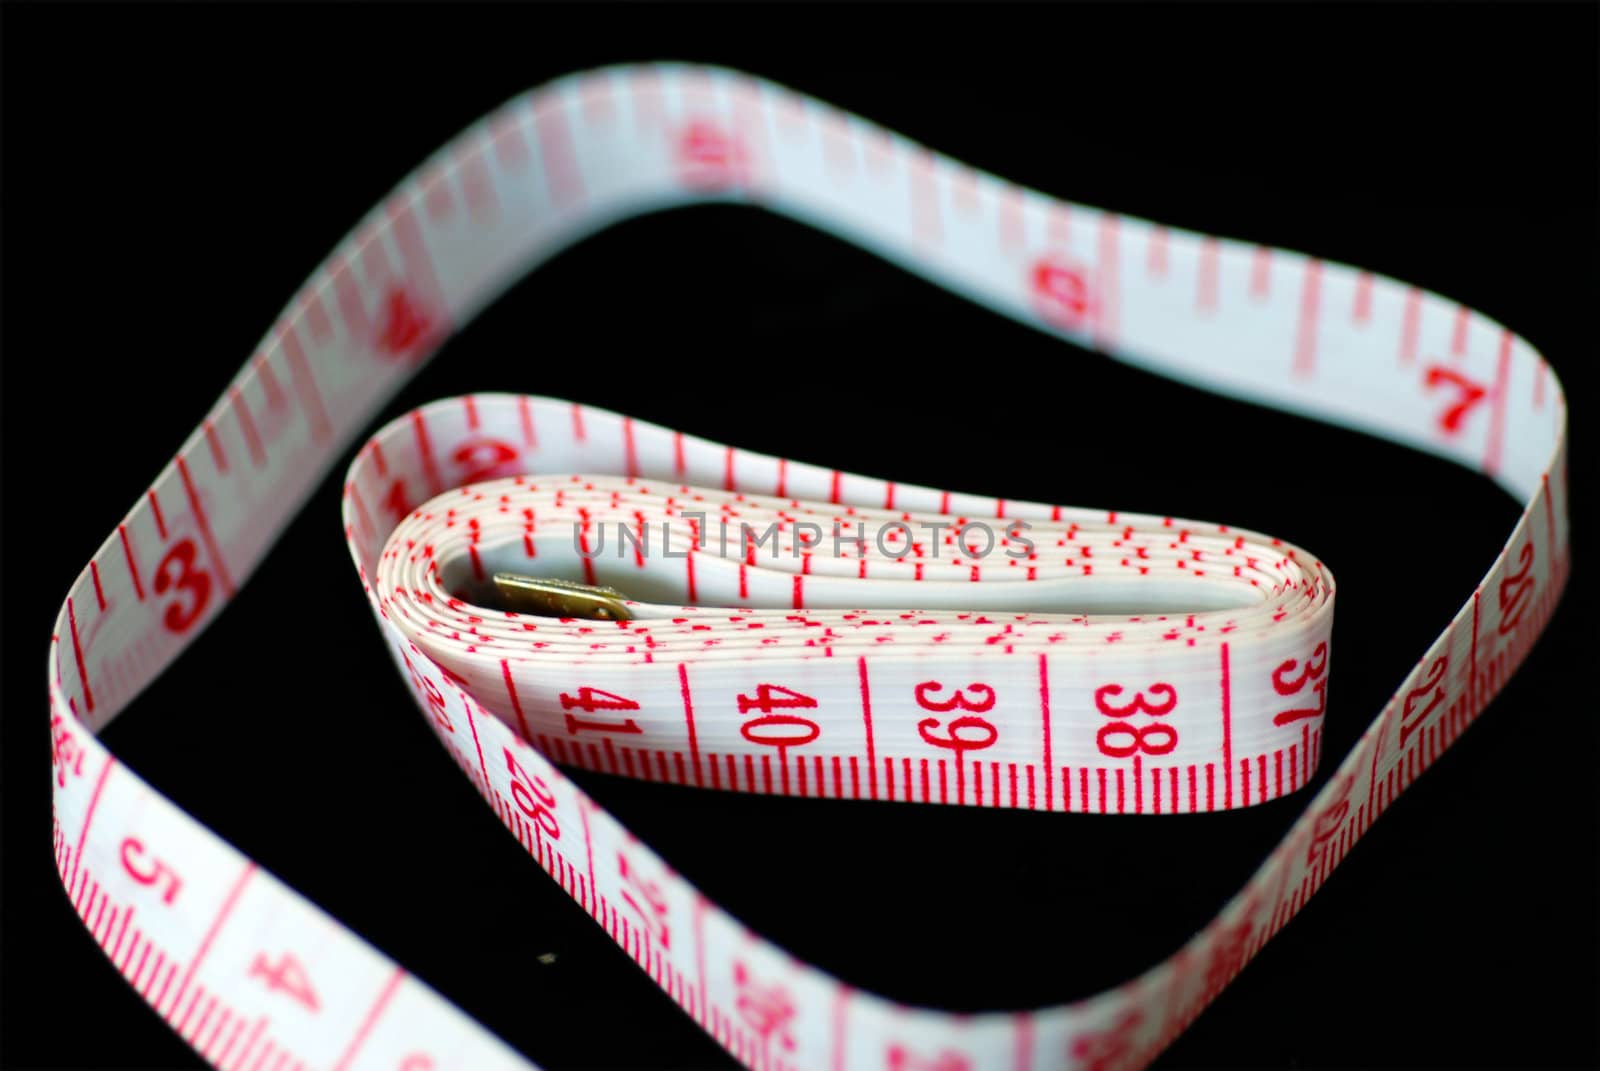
pixel 187 578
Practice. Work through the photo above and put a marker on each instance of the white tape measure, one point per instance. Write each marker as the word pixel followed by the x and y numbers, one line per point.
pixel 748 623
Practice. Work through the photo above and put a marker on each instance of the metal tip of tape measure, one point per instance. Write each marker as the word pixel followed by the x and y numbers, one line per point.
pixel 548 597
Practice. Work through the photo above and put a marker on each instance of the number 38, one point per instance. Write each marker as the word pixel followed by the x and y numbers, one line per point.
pixel 1122 738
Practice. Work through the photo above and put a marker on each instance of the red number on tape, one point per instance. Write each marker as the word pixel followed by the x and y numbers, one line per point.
pixel 1328 822
pixel 64 750
pixel 1142 742
pixel 395 501
pixel 404 324
pixel 959 701
pixel 197 582
pixel 534 797
pixel 287 977
pixel 590 700
pixel 778 730
pixel 1106 1050
pixel 653 909
pixel 766 1009
pixel 1140 705
pixel 156 872
pixel 1062 293
pixel 764 701
pixel 709 159
pixel 1515 588
pixel 987 734
pixel 1148 738
pixel 1471 394
pixel 1411 717
pixel 1313 673
pixel 786 731
pixel 981 732
pixel 484 459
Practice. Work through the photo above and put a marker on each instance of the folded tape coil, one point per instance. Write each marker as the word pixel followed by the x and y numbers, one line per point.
pixel 1064 675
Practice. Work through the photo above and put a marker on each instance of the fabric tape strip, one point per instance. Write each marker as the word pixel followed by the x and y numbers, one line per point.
pixel 1089 662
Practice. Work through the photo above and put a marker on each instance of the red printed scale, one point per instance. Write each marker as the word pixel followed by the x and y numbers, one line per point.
pixel 1090 662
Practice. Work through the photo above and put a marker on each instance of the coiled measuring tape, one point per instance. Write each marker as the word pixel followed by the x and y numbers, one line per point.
pixel 856 638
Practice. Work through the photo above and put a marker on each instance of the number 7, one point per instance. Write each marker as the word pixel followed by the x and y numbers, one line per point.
pixel 1471 394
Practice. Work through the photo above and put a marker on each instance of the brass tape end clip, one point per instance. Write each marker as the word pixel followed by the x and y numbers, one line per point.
pixel 548 597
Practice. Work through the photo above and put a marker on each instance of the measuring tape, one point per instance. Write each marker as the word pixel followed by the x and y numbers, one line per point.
pixel 564 585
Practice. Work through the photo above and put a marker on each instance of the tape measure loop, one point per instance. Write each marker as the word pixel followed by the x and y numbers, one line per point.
pixel 1118 664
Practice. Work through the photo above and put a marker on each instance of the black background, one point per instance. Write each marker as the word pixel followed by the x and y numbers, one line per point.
pixel 150 238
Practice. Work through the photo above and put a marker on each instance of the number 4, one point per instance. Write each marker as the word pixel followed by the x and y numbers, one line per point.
pixel 590 700
pixel 765 701
pixel 287 976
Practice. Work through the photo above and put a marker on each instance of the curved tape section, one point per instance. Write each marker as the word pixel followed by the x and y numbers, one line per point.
pixel 245 969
